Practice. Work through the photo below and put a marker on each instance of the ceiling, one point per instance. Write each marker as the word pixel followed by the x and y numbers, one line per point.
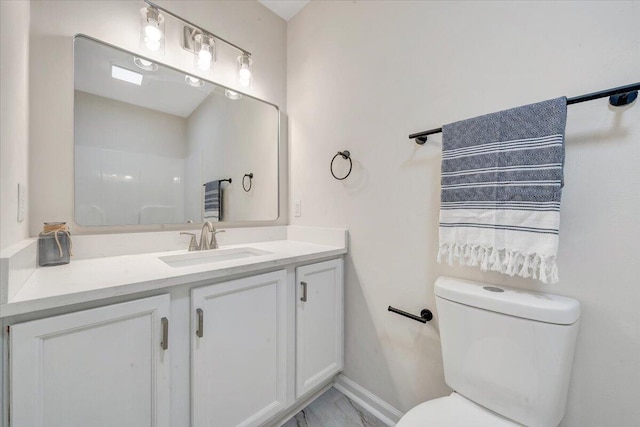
pixel 285 8
pixel 161 90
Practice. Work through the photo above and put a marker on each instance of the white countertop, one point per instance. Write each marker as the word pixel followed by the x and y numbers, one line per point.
pixel 99 278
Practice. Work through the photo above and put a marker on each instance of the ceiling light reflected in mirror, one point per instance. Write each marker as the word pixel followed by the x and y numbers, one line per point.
pixel 193 81
pixel 144 64
pixel 232 95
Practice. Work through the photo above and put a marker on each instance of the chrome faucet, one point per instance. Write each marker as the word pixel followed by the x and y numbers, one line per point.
pixel 205 244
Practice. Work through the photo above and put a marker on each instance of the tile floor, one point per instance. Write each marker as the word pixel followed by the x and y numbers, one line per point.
pixel 333 409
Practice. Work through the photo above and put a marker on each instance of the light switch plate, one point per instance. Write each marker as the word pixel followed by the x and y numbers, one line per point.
pixel 21 202
pixel 297 210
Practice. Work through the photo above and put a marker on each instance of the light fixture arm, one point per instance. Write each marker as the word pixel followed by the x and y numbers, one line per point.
pixel 197 27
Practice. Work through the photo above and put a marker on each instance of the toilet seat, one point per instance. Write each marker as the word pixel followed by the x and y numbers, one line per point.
pixel 452 411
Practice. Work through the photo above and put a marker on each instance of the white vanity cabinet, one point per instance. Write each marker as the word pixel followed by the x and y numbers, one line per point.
pixel 238 351
pixel 106 366
pixel 246 353
pixel 319 324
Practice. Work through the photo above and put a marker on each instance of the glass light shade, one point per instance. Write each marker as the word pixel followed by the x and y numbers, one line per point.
pixel 245 76
pixel 152 30
pixel 204 50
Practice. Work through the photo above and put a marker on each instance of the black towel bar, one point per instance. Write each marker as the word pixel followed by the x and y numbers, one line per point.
pixel 618 97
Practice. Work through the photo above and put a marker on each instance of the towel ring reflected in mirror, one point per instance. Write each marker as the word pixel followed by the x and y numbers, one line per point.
pixel 247 188
pixel 345 155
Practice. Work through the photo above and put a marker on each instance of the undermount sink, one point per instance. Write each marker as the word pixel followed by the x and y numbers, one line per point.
pixel 211 256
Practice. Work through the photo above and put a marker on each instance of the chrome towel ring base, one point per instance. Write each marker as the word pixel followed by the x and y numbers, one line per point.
pixel 345 155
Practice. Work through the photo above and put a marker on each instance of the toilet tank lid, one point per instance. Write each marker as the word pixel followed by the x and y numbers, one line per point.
pixel 532 305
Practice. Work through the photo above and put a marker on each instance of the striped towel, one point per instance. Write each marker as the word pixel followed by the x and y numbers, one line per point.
pixel 502 175
pixel 213 201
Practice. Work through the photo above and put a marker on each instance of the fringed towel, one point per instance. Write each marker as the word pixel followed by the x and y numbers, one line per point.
pixel 213 201
pixel 502 176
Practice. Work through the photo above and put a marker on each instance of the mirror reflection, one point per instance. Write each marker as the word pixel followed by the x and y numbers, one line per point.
pixel 154 145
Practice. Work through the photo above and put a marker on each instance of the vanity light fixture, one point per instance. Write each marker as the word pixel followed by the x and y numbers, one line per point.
pixel 145 64
pixel 126 75
pixel 232 95
pixel 195 39
pixel 193 81
pixel 152 30
pixel 244 69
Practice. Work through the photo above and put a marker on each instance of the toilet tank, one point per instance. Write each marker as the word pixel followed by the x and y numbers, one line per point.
pixel 506 349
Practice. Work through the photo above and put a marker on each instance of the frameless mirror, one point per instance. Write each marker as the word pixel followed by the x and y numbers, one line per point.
pixel 153 145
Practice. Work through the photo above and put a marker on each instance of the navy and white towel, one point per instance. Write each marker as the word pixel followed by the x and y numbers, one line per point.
pixel 502 176
pixel 213 201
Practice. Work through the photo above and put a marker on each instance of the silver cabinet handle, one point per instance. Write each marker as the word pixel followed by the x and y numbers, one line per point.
pixel 164 344
pixel 303 298
pixel 200 330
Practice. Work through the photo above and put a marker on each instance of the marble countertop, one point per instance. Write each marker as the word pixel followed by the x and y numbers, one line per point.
pixel 99 278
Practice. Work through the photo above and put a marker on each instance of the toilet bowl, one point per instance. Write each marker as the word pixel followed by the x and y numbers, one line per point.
pixel 507 354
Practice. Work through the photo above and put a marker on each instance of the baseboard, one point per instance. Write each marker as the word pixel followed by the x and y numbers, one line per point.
pixel 369 401
pixel 283 418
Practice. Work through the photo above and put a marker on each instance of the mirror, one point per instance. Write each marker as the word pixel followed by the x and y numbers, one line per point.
pixel 154 145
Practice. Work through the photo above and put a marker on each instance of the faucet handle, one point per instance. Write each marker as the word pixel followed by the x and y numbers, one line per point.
pixel 193 244
pixel 213 244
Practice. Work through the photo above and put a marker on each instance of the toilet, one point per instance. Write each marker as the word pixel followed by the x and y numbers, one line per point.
pixel 507 355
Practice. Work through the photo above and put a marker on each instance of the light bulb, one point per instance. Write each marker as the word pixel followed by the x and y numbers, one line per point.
pixel 204 64
pixel 204 54
pixel 204 57
pixel 152 31
pixel 145 62
pixel 244 73
pixel 152 45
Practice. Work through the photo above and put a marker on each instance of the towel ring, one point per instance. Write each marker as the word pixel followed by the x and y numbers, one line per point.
pixel 250 175
pixel 345 155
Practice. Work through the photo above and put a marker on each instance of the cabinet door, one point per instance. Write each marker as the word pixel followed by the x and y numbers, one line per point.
pixel 319 324
pixel 239 351
pixel 102 367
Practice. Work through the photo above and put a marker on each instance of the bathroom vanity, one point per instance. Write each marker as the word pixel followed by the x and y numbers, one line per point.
pixel 241 335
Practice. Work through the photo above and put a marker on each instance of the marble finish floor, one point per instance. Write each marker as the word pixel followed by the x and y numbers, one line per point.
pixel 333 409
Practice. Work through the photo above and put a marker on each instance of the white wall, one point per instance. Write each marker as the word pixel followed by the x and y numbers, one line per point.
pixel 363 75
pixel 115 125
pixel 228 139
pixel 53 25
pixel 14 117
